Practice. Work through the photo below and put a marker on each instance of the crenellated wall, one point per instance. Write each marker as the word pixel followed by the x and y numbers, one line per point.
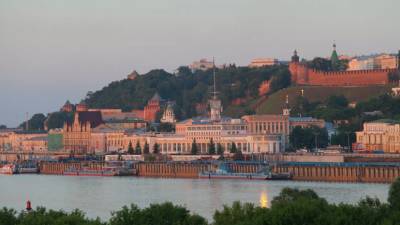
pixel 302 75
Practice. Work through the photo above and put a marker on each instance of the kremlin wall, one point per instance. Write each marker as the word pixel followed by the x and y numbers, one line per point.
pixel 302 75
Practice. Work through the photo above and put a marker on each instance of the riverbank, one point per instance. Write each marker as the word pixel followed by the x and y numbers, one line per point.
pixel 361 172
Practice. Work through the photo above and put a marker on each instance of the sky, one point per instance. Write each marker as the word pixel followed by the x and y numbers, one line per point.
pixel 53 50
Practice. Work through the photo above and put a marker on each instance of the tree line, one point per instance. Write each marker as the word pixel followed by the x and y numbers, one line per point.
pixel 290 207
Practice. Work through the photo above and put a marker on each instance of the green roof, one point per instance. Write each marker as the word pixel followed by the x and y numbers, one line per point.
pixel 390 121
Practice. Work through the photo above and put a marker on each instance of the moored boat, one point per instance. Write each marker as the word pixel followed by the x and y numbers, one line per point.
pixel 8 169
pixel 224 172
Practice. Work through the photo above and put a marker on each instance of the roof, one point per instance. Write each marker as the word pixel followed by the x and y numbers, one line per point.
pixel 156 97
pixel 389 121
pixel 93 117
pixel 302 119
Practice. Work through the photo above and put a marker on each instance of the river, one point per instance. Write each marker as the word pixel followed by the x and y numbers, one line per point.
pixel 98 196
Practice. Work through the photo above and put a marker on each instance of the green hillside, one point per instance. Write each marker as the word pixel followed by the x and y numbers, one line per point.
pixel 276 100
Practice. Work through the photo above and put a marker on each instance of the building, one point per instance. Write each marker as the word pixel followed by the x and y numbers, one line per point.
pixel 380 135
pixel 168 115
pixel 382 61
pixel 76 135
pixel 202 64
pixel 149 113
pixel 260 62
pixel 35 144
pixel 132 75
pixel 67 107
pixel 302 75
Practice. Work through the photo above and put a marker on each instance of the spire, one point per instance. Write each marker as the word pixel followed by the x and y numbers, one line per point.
pixel 215 103
pixel 295 57
pixel 286 108
pixel 334 58
pixel 215 89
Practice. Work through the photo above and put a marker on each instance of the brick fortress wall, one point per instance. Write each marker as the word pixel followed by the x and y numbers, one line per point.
pixel 302 75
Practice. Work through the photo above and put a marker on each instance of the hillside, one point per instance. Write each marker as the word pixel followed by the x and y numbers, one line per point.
pixel 275 101
pixel 188 89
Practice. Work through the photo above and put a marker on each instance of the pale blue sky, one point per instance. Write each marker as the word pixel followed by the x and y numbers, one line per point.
pixel 53 50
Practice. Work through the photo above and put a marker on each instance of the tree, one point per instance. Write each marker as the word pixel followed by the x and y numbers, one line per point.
pixel 57 119
pixel 3 127
pixel 194 149
pixel 166 127
pixel 394 195
pixel 220 149
pixel 138 149
pixel 130 148
pixel 308 137
pixel 211 147
pixel 319 63
pixel 335 101
pixel 35 123
pixel 156 148
pixel 146 148
pixel 233 148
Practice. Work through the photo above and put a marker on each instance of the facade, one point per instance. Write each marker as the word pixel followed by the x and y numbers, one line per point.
pixel 382 61
pixel 15 140
pixel 381 135
pixel 260 62
pixel 168 115
pixel 76 136
pixel 202 64
pixel 35 144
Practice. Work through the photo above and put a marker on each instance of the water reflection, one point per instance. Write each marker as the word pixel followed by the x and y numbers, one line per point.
pixel 264 199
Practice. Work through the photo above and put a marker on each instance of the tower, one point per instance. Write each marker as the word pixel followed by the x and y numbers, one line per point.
pixel 398 60
pixel 293 67
pixel 168 115
pixel 334 58
pixel 286 108
pixel 215 102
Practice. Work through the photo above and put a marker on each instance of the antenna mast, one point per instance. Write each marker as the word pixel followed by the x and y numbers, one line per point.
pixel 215 93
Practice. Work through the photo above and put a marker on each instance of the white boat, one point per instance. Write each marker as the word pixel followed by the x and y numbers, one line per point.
pixel 8 169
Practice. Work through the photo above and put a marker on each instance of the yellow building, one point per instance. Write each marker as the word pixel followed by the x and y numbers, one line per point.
pixel 260 62
pixel 382 135
pixel 76 135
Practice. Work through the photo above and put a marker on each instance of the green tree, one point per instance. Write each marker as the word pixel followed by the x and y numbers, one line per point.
pixel 138 149
pixel 307 137
pixel 162 214
pixel 57 119
pixel 156 148
pixel 394 195
pixel 220 149
pixel 233 148
pixel 130 148
pixel 35 123
pixel 319 63
pixel 194 149
pixel 211 147
pixel 166 127
pixel 146 148
pixel 8 217
pixel 3 127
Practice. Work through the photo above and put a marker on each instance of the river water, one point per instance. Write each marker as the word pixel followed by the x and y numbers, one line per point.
pixel 98 196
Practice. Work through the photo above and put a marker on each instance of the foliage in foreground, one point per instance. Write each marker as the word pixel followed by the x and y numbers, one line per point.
pixel 291 207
